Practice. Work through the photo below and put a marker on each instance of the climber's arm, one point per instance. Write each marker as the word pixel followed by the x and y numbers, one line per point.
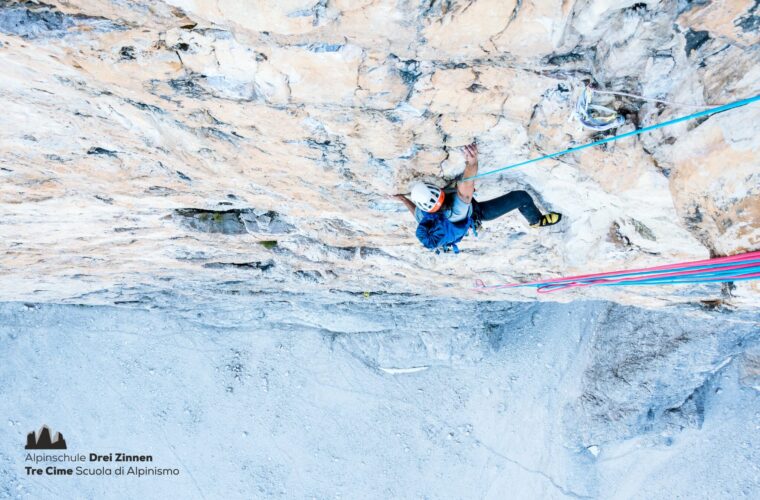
pixel 403 199
pixel 466 189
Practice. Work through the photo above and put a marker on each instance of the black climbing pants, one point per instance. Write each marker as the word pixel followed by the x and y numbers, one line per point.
pixel 492 209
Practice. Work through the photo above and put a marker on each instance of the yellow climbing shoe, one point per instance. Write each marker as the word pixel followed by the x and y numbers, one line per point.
pixel 548 219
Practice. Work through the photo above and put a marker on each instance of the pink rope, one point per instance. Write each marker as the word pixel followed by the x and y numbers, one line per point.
pixel 481 286
pixel 575 284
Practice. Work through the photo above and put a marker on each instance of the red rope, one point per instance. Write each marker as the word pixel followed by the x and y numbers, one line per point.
pixel 698 270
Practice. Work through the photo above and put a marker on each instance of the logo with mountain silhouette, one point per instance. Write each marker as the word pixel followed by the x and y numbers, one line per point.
pixel 42 441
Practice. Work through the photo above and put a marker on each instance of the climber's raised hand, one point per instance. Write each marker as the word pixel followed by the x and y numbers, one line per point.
pixel 471 154
pixel 465 189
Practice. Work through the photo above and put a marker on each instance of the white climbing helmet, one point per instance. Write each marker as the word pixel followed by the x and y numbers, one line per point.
pixel 427 197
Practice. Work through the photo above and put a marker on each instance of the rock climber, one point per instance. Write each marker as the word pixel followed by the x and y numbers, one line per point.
pixel 444 219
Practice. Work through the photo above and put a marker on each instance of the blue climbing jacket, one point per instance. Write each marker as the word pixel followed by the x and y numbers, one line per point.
pixel 436 232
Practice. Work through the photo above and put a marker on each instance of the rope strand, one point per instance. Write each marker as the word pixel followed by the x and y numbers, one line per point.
pixel 733 268
pixel 652 99
pixel 707 112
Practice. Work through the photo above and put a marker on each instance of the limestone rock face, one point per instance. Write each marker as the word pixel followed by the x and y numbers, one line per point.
pixel 148 145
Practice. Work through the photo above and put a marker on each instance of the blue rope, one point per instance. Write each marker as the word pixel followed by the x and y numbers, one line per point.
pixel 706 268
pixel 700 114
pixel 706 277
pixel 694 277
pixel 654 283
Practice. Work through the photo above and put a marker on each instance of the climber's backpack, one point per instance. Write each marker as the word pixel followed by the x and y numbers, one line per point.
pixel 436 232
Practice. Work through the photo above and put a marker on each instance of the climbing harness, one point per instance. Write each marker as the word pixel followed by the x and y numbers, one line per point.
pixel 707 112
pixel 740 267
pixel 594 116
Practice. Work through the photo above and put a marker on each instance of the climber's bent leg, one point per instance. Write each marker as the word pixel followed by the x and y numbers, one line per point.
pixel 492 209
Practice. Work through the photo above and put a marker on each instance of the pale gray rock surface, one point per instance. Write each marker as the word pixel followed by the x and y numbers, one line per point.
pixel 284 397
